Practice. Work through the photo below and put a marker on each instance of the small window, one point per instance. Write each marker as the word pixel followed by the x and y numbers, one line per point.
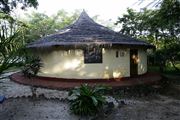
pixel 122 53
pixel 117 54
pixel 93 55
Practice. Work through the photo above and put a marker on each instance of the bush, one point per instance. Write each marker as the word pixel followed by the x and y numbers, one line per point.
pixel 31 67
pixel 86 100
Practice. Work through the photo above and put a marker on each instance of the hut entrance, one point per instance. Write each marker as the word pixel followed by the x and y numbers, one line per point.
pixel 133 62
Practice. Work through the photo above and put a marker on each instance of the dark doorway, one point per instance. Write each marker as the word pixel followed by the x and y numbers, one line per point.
pixel 133 62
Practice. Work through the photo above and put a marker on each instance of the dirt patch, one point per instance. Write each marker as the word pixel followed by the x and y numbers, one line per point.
pixel 161 108
pixel 39 109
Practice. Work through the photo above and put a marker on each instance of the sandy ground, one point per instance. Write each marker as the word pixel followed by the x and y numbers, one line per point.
pixel 11 89
pixel 158 108
pixel 53 106
pixel 161 108
pixel 29 109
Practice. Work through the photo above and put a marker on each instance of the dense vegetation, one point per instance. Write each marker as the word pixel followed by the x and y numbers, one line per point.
pixel 11 40
pixel 160 27
pixel 41 24
pixel 12 32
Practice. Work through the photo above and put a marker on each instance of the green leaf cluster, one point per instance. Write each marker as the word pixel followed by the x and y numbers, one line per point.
pixel 12 33
pixel 31 66
pixel 87 100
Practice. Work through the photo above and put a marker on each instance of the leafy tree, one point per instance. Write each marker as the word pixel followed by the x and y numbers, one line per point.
pixel 140 25
pixel 41 25
pixel 160 27
pixel 168 25
pixel 11 40
pixel 12 31
pixel 6 6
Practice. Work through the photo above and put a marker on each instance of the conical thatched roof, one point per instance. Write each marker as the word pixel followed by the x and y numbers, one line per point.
pixel 84 32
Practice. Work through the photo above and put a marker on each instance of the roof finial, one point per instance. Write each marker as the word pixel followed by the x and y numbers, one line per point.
pixel 84 15
pixel 84 12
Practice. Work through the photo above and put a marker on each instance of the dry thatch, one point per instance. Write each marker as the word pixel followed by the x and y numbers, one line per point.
pixel 86 32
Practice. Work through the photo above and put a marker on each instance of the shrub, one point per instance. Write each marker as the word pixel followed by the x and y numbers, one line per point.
pixel 86 100
pixel 32 66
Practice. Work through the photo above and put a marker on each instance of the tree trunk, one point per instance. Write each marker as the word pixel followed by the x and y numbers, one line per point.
pixel 176 68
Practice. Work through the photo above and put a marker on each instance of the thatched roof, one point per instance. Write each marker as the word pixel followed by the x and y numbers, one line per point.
pixel 84 32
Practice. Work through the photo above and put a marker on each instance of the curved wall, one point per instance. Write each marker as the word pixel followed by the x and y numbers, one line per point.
pixel 70 64
pixel 142 61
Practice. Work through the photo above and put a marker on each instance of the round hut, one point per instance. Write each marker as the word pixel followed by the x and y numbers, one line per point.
pixel 88 50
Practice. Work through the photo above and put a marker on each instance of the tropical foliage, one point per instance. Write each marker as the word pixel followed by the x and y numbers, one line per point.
pixel 87 100
pixel 31 66
pixel 12 33
pixel 11 41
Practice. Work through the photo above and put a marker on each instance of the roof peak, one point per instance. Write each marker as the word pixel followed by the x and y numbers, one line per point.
pixel 84 13
pixel 84 16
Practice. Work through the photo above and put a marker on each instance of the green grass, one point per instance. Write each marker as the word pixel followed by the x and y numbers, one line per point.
pixel 170 73
pixel 153 69
pixel 11 69
pixel 169 69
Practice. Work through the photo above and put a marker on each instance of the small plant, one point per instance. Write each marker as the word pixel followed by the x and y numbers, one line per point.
pixel 87 100
pixel 32 66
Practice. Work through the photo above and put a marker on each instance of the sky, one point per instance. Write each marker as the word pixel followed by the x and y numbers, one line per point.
pixel 105 9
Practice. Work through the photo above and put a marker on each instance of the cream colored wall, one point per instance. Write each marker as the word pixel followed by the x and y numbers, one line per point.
pixel 70 64
pixel 142 61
